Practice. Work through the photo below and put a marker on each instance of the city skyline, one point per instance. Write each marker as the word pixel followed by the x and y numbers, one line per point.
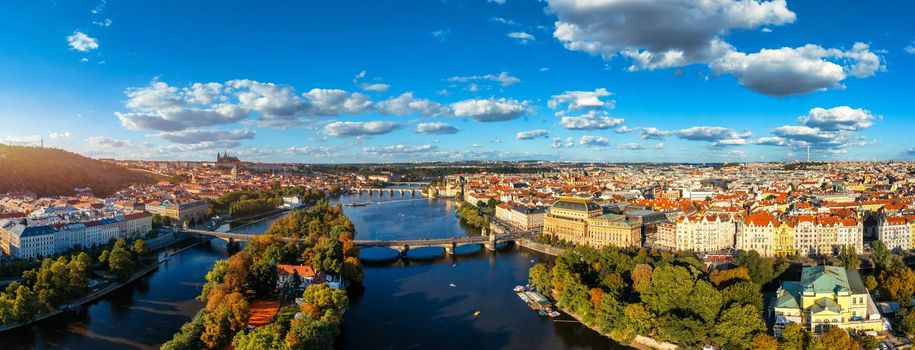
pixel 563 80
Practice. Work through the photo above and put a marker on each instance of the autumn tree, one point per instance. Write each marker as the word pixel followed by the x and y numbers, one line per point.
pixel 737 326
pixel 794 337
pixel 641 277
pixel 725 278
pixel 763 341
pixel 834 338
pixel 898 284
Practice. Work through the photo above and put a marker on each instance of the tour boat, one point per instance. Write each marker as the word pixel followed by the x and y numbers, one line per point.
pixel 476 314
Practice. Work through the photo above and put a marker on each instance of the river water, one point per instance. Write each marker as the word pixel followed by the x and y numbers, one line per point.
pixel 400 305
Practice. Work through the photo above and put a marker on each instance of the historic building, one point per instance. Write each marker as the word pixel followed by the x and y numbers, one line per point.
pixel 581 221
pixel 825 296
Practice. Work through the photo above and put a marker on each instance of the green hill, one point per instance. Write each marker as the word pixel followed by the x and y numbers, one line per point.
pixel 52 171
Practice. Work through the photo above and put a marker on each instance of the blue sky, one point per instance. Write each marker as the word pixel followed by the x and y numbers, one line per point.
pixel 347 81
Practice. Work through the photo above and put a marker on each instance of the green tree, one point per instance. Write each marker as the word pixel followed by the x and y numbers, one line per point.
pixel 883 257
pixel 687 332
pixel 705 301
pixel 140 248
pixel 325 297
pixel 794 337
pixel 638 320
pixel 737 326
pixel 905 320
pixel 868 342
pixel 761 270
pixel 213 277
pixel 743 293
pixel 188 338
pixel 310 335
pixel 670 288
pixel 539 275
pixel 24 307
pixel 898 284
pixel 262 277
pixel 262 338
pixel 121 262
pixel 849 257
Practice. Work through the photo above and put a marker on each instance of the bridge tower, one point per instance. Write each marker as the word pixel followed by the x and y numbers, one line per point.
pixel 491 243
pixel 404 251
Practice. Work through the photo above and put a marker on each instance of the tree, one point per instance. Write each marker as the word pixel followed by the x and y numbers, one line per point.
pixel 761 270
pixel 262 277
pixel 637 319
pixel 24 307
pixel 725 278
pixel 641 277
pixel 737 326
pixel 262 338
pixel 669 288
pixel 743 293
pixel 326 298
pixel 121 262
pixel 870 282
pixel 794 337
pixel 705 301
pixel 213 277
pixel 905 320
pixel 539 275
pixel 687 332
pixel 883 257
pixel 762 341
pixel 849 257
pixel 103 258
pixel 834 339
pixel 188 338
pixel 310 334
pixel 868 342
pixel 898 284
pixel 140 248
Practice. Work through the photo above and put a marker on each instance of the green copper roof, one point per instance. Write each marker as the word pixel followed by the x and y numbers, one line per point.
pixel 825 304
pixel 787 295
pixel 824 279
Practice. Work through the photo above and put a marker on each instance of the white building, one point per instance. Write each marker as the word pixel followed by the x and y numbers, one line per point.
pixel 703 234
pixel 894 232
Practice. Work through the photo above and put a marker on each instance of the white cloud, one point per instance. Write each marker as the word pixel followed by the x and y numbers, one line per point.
pixel 441 34
pixel 582 99
pixel 503 78
pixel 81 42
pixel 377 87
pixel 504 20
pixel 108 142
pixel 436 128
pixel 589 140
pixel 314 151
pixel 23 140
pixel 838 118
pixel 406 104
pixel 499 2
pixel 398 149
pixel 532 134
pixel 718 136
pixel 654 133
pixel 660 34
pixel 491 109
pixel 104 23
pixel 590 121
pixel 623 130
pixel 189 137
pixel 345 129
pixel 59 135
pixel 910 49
pixel 522 37
pixel 630 146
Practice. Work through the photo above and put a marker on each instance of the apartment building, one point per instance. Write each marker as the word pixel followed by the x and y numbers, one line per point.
pixel 700 233
pixel 895 233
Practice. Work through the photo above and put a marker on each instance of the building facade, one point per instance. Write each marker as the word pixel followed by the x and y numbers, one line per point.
pixel 581 221
pixel 826 296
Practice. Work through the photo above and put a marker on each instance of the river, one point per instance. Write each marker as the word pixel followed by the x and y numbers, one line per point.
pixel 400 305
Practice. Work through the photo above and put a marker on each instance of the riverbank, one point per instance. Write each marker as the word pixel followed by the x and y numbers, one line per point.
pixel 82 301
pixel 639 342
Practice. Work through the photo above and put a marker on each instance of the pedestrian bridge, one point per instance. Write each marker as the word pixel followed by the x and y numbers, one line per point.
pixel 489 240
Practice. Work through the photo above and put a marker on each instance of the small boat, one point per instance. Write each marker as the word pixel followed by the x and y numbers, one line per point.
pixel 518 288
pixel 532 261
pixel 553 313
pixel 452 285
pixel 541 313
pixel 476 314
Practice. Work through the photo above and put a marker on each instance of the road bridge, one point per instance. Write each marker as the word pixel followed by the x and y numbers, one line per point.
pixel 489 240
pixel 390 191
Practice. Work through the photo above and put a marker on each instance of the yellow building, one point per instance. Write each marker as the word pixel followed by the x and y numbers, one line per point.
pixel 581 221
pixel 826 296
pixel 784 240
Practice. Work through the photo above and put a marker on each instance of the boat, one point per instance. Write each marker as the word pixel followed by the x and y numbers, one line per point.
pixel 452 285
pixel 518 288
pixel 553 313
pixel 523 296
pixel 357 204
pixel 476 314
pixel 541 313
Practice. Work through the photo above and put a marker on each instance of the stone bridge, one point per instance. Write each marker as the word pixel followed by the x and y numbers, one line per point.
pixel 489 240
pixel 390 191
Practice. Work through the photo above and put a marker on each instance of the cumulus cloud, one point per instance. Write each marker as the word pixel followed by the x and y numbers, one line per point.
pixel 436 128
pixel 796 71
pixel 491 109
pixel 59 135
pixel 108 142
pixel 502 78
pixel 349 129
pixel 590 121
pixel 558 143
pixel 718 136
pixel 838 118
pixel 398 149
pixel 660 34
pixel 910 49
pixel 23 140
pixel 406 104
pixel 623 130
pixel 667 34
pixel 522 37
pixel 589 140
pixel 532 134
pixel 197 136
pixel 581 100
pixel 630 146
pixel 314 151
pixel 377 87
pixel 81 42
